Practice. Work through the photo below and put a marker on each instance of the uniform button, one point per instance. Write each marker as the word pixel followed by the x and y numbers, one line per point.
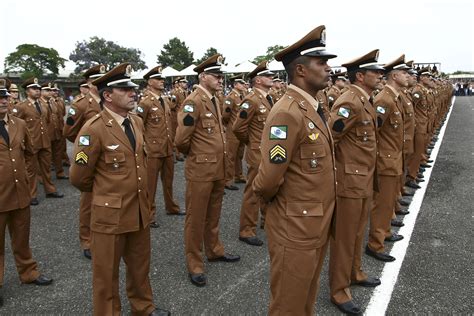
pixel 305 212
pixel 138 167
pixel 13 159
pixel 136 155
pixel 139 178
pixel 11 149
pixel 14 170
pixel 388 156
pixel 357 171
pixel 336 182
pixel 115 159
pixel 106 204
pixel 16 180
pixel 314 153
pixel 139 190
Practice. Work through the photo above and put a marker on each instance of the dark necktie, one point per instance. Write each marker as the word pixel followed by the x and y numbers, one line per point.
pixel 213 99
pixel 270 100
pixel 321 113
pixel 129 132
pixel 38 107
pixel 4 133
pixel 241 97
pixel 371 100
pixel 162 102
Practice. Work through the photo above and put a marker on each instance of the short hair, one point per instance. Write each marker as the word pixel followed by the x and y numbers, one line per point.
pixel 101 93
pixel 352 75
pixel 291 67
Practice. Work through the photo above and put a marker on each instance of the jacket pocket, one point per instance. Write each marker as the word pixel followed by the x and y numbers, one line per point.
pixel 312 158
pixel 115 162
pixel 355 177
pixel 206 158
pixel 106 209
pixel 304 219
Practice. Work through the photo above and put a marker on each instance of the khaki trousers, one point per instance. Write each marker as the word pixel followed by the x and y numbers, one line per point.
pixel 18 222
pixel 203 211
pixel 40 164
pixel 345 260
pixel 85 220
pixel 165 167
pixel 108 250
pixel 250 206
pixel 57 157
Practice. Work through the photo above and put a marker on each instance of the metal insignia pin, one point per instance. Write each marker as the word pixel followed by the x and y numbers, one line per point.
pixel 311 125
pixel 116 165
pixel 314 163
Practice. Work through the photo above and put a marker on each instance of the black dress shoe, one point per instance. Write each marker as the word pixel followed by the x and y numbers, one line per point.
pixel 425 165
pixel 62 177
pixel 179 158
pixel 179 213
pixel 369 282
pixel 253 241
pixel 404 202
pixel 1 296
pixel 407 193
pixel 160 312
pixel 231 187
pixel 396 223
pixel 198 279
pixel 394 237
pixel 420 176
pixel 87 254
pixel 418 180
pixel 402 212
pixel 154 225
pixel 54 195
pixel 412 184
pixel 240 181
pixel 421 170
pixel 227 257
pixel 349 308
pixel 379 255
pixel 42 280
pixel 429 161
pixel 34 201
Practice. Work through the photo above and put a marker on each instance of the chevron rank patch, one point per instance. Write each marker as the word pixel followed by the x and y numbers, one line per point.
pixel 84 140
pixel 81 158
pixel 72 111
pixel 344 112
pixel 188 108
pixel 380 109
pixel 277 154
pixel 278 131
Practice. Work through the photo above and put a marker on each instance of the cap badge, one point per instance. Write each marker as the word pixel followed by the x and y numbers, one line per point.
pixel 128 71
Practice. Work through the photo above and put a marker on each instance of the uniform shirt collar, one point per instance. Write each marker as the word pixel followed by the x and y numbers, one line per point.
pixel 366 96
pixel 309 98
pixel 117 117
pixel 157 96
pixel 393 90
pixel 205 91
pixel 262 92
pixel 6 119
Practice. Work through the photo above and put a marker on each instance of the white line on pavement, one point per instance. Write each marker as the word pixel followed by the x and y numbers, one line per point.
pixel 382 294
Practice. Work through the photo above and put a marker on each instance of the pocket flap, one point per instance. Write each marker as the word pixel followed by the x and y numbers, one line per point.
pixel 356 169
pixel 206 123
pixel 206 158
pixel 304 208
pixel 254 145
pixel 395 120
pixel 108 200
pixel 387 154
pixel 311 150
pixel 112 157
pixel 364 131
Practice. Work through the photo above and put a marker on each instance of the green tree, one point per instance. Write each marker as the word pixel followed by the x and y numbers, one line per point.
pixel 271 51
pixel 175 54
pixel 97 50
pixel 211 51
pixel 33 60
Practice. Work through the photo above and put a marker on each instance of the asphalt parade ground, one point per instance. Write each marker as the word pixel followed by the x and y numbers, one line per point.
pixel 433 273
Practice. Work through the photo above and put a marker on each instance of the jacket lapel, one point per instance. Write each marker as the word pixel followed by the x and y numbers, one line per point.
pixel 116 130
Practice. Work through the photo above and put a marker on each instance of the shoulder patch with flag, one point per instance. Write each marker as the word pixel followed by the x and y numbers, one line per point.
pixel 84 140
pixel 278 131
pixel 277 154
pixel 139 109
pixel 344 112
pixel 81 158
pixel 72 111
pixel 188 108
pixel 244 106
pixel 380 109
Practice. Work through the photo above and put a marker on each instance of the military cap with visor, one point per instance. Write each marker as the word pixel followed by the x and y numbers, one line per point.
pixel 238 78
pixel 47 86
pixel 95 72
pixel 211 65
pixel 154 73
pixel 424 72
pixel 261 70
pixel 397 64
pixel 4 87
pixel 368 61
pixel 31 83
pixel 118 77
pixel 13 87
pixel 312 45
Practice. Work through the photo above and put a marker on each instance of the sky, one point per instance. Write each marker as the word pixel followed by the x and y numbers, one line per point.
pixel 425 31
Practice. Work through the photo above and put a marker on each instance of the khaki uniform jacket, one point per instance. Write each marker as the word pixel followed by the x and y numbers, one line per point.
pixel 231 108
pixel 249 124
pixel 408 122
pixel 79 113
pixel 157 122
pixel 106 165
pixel 36 123
pixel 15 192
pixel 61 105
pixel 275 94
pixel 297 174
pixel 353 125
pixel 54 130
pixel 391 132
pixel 420 103
pixel 178 96
pixel 333 94
pixel 200 135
